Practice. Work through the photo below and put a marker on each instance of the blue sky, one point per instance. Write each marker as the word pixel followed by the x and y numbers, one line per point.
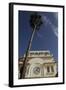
pixel 45 39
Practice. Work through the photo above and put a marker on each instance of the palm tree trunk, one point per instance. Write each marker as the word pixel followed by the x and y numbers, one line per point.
pixel 27 53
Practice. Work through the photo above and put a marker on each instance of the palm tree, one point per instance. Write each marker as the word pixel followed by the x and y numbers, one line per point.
pixel 35 23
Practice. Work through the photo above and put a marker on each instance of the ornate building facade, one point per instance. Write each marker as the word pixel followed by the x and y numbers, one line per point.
pixel 40 64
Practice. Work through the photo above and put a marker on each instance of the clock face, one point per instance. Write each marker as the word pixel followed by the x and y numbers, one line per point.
pixel 36 70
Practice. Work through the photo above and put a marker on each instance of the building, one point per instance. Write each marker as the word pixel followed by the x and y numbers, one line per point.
pixel 40 64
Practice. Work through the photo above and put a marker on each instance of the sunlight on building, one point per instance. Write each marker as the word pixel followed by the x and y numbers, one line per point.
pixel 40 64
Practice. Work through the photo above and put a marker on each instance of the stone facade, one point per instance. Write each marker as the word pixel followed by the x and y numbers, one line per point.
pixel 39 64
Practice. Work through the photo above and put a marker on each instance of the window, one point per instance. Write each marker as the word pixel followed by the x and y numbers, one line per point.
pixel 52 69
pixel 48 69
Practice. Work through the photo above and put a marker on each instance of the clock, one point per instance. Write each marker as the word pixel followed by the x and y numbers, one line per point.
pixel 36 70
